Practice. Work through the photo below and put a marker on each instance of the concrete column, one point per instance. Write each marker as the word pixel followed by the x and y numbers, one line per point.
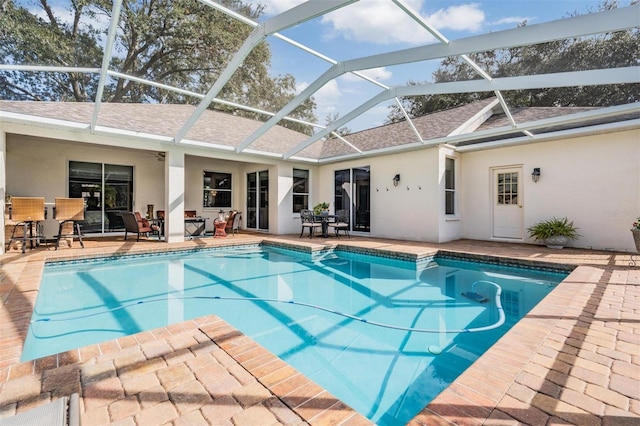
pixel 174 195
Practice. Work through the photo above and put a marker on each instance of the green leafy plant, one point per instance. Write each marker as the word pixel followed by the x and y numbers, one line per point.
pixel 553 227
pixel 636 224
pixel 318 208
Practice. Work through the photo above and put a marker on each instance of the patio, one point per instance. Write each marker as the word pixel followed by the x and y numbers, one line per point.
pixel 573 359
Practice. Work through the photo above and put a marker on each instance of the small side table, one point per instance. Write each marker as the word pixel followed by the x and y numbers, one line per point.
pixel 219 227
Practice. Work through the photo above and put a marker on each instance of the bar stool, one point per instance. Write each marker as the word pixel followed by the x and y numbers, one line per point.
pixel 69 211
pixel 28 212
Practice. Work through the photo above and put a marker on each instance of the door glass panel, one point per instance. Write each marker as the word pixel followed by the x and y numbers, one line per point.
pixel 118 195
pixel 507 190
pixel 361 179
pixel 342 193
pixel 85 181
pixel 252 191
pixel 264 200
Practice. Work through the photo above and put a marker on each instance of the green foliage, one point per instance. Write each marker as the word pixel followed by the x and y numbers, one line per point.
pixel 320 207
pixel 184 44
pixel 553 227
pixel 619 49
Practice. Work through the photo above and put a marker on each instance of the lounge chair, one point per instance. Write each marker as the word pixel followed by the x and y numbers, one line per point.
pixel 134 222
pixel 63 411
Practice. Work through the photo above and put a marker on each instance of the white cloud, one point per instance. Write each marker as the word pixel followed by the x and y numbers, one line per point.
pixel 328 94
pixel 327 99
pixel 467 17
pixel 512 20
pixel 379 74
pixel 382 22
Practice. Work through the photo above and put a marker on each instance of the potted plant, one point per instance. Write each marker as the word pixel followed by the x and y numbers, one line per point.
pixel 554 232
pixel 635 231
pixel 321 208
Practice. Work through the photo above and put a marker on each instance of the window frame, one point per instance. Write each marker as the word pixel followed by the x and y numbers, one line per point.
pixel 450 204
pixel 306 195
pixel 211 175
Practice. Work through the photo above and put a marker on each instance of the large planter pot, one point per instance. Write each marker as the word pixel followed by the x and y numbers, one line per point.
pixel 636 238
pixel 556 241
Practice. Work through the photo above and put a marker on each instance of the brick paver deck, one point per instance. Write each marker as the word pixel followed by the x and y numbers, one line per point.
pixel 574 359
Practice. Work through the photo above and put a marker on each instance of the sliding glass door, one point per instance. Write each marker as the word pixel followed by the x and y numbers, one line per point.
pixel 107 190
pixel 352 195
pixel 258 200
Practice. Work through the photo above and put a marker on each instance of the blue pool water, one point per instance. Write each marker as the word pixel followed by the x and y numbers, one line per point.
pixel 342 319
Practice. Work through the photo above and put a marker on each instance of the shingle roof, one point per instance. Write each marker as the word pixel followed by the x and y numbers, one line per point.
pixel 223 129
pixel 430 126
pixel 164 120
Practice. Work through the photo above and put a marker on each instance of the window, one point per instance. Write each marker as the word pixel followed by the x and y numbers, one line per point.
pixel 450 186
pixel 217 190
pixel 300 190
pixel 507 188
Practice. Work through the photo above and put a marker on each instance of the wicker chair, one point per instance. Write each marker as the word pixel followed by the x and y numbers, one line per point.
pixel 134 222
pixel 69 211
pixel 235 222
pixel 28 212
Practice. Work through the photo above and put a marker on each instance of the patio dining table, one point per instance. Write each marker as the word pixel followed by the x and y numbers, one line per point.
pixel 325 219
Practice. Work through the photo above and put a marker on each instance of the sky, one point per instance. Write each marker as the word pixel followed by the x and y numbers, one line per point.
pixel 371 27
pixel 377 26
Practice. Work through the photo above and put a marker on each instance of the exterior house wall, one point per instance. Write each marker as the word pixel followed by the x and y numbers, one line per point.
pixel 38 167
pixel 194 168
pixel 592 180
pixel 408 211
pixel 449 226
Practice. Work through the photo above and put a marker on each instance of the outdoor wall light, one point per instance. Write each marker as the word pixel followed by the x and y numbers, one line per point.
pixel 535 176
pixel 396 180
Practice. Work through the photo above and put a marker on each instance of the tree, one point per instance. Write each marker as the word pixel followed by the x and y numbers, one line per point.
pixel 330 118
pixel 182 44
pixel 619 49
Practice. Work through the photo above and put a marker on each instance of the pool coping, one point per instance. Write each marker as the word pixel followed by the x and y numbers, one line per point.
pixel 473 397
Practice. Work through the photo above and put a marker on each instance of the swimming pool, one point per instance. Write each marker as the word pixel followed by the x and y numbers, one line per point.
pixel 308 310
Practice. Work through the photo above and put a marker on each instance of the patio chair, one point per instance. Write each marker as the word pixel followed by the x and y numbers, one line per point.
pixel 28 212
pixel 235 225
pixel 341 223
pixel 68 212
pixel 135 223
pixel 306 217
pixel 230 218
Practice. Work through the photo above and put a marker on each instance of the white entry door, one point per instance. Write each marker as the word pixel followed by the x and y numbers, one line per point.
pixel 508 218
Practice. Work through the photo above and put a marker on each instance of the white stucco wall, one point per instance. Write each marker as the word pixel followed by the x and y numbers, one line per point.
pixel 593 180
pixel 194 168
pixel 38 167
pixel 409 211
